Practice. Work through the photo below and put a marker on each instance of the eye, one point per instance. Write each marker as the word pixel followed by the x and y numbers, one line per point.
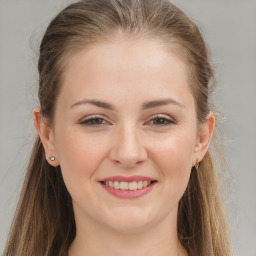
pixel 93 121
pixel 159 120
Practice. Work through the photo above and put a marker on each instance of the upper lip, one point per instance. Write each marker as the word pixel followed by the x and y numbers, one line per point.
pixel 127 179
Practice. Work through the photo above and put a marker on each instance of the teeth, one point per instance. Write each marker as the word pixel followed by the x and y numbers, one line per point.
pixel 140 184
pixel 116 184
pixel 134 185
pixel 124 185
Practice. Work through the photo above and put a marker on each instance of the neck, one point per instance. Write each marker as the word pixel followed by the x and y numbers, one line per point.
pixel 95 240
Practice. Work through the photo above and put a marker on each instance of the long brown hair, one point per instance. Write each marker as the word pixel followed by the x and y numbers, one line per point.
pixel 44 221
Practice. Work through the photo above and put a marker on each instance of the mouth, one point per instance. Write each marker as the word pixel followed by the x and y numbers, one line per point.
pixel 128 187
pixel 132 186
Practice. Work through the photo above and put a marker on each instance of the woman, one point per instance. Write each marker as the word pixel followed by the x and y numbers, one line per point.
pixel 122 163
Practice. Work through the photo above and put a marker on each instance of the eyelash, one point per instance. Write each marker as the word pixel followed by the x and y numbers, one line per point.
pixel 88 122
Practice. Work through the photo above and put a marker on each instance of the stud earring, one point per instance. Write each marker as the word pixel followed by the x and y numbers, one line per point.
pixel 197 166
pixel 52 158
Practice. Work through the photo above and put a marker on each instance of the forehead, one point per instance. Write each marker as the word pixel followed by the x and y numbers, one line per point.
pixel 137 67
pixel 135 51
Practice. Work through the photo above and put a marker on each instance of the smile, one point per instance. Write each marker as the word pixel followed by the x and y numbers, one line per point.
pixel 128 187
pixel 122 185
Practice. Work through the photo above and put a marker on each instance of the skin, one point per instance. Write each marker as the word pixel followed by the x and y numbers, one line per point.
pixel 127 141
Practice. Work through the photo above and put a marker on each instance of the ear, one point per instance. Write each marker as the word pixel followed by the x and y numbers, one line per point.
pixel 204 137
pixel 47 137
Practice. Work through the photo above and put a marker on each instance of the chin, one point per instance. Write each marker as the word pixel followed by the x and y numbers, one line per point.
pixel 130 220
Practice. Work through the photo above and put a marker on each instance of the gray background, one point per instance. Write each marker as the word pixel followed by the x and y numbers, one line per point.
pixel 229 27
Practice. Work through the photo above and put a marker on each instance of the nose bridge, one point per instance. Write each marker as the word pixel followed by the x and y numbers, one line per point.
pixel 128 149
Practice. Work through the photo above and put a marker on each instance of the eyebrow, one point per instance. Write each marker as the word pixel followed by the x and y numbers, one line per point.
pixel 145 106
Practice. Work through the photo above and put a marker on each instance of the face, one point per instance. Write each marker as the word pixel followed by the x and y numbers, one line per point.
pixel 125 117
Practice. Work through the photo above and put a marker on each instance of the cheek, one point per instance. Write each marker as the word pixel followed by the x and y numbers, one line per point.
pixel 174 159
pixel 79 157
pixel 176 152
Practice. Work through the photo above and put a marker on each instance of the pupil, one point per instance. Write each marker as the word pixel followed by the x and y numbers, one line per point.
pixel 160 120
pixel 97 121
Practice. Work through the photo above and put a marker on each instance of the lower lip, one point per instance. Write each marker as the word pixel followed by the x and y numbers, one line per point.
pixel 129 194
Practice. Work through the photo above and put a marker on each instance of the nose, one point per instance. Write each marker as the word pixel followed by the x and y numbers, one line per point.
pixel 128 150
